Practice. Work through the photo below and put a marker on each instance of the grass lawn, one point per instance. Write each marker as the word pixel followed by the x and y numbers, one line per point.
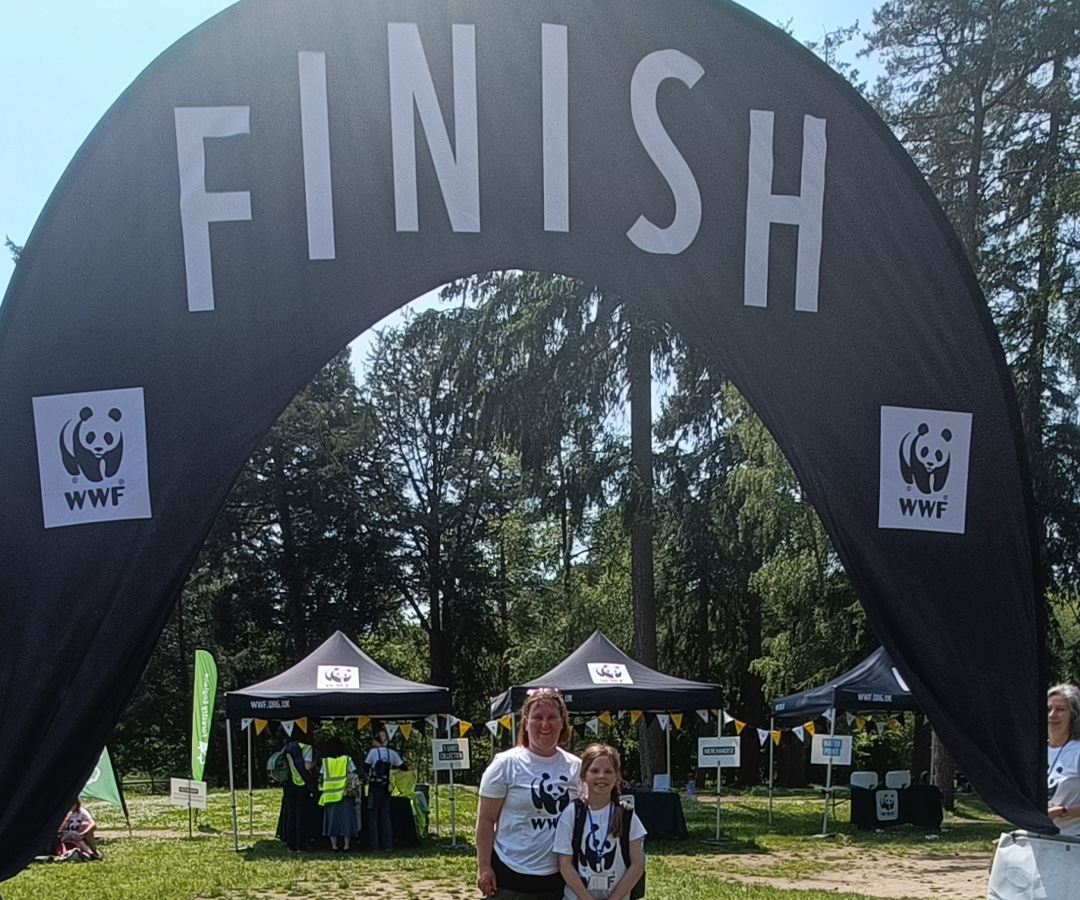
pixel 160 861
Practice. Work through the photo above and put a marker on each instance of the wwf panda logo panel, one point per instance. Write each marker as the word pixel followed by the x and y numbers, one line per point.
pixel 289 173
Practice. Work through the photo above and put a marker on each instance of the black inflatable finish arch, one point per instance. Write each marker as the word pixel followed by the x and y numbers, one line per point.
pixel 289 173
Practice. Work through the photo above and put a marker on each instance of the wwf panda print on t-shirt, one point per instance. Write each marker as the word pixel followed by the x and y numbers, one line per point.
pixel 550 796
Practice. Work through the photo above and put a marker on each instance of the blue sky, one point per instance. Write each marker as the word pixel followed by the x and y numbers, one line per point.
pixel 63 63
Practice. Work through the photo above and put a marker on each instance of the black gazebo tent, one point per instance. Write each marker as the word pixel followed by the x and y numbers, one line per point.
pixel 336 680
pixel 874 684
pixel 598 676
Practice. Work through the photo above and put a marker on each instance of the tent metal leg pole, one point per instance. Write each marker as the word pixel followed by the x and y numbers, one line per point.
pixel 772 747
pixel 232 786
pixel 667 735
pixel 251 799
pixel 828 780
pixel 719 728
pixel 453 818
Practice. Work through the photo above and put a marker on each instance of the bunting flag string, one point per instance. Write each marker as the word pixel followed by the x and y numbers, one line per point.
pixel 493 727
pixel 463 727
pixel 391 730
pixel 663 719
pixel 302 723
pixel 798 732
pixel 260 726
pixel 677 719
pixel 287 725
pixel 244 724
pixel 605 717
pixel 762 736
pixel 593 725
pixel 703 714
pixel 406 730
pixel 635 714
pixel 361 721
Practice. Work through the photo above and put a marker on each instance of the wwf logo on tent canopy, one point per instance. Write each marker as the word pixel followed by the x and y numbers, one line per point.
pixel 924 469
pixel 338 678
pixel 609 673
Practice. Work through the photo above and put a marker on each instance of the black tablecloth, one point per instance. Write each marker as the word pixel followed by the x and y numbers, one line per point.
pixel 919 804
pixel 402 825
pixel 661 813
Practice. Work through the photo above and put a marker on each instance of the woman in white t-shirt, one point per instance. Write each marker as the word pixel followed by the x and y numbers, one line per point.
pixel 597 869
pixel 522 794
pixel 1063 757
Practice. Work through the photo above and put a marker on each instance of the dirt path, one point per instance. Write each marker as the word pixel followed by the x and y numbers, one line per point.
pixel 954 876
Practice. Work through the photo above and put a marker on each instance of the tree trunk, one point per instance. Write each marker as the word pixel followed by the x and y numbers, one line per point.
pixel 639 375
pixel 945 774
pixel 920 751
pixel 752 696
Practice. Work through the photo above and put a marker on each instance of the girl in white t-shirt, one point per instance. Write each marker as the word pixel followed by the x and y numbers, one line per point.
pixel 595 869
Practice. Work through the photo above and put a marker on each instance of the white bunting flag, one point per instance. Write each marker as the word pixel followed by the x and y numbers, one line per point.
pixel 391 730
pixel 493 727
pixel 663 719
pixel 433 721
pixel 799 733
pixel 244 723
pixel 762 736
pixel 880 726
pixel 850 718
pixel 703 714
pixel 593 725
pixel 829 715
pixel 451 721
pixel 288 728
pixel 728 719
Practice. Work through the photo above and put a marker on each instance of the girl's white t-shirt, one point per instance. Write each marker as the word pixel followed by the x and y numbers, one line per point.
pixel 534 790
pixel 1063 783
pixel 600 863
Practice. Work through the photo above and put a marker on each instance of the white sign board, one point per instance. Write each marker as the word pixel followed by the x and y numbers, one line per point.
pixel 186 793
pixel 338 678
pixel 450 753
pixel 609 673
pixel 718 752
pixel 831 748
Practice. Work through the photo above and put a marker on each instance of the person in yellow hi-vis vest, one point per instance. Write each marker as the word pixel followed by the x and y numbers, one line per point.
pixel 339 811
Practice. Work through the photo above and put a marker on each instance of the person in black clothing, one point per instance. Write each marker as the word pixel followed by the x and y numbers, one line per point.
pixel 377 764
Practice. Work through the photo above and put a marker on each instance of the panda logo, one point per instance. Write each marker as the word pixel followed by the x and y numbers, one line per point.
pixel 925 458
pixel 95 440
pixel 550 796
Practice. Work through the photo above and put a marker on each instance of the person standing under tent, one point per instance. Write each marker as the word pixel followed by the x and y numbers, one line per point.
pixel 378 763
pixel 522 793
pixel 1063 757
pixel 300 818
pixel 598 840
pixel 339 811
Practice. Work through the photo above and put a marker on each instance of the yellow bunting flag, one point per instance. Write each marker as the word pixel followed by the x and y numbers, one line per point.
pixel 464 727
pixel 860 723
pixel 635 714
pixel 260 724
pixel 739 726
pixel 505 722
pixel 677 719
pixel 809 726
pixel 361 721
pixel 775 737
pixel 406 730
pixel 893 725
pixel 605 717
pixel 302 722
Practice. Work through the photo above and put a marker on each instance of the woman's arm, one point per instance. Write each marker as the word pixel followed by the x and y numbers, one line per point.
pixel 632 874
pixel 487 814
pixel 572 877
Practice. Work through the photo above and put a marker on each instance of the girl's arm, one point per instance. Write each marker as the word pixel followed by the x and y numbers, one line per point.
pixel 572 877
pixel 632 874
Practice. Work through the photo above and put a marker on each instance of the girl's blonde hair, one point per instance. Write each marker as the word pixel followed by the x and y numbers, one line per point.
pixel 592 753
pixel 536 697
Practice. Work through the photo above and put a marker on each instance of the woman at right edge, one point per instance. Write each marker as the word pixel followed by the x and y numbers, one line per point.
pixel 1063 757
pixel 522 794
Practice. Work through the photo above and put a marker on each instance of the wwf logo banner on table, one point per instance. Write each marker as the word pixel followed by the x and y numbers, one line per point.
pixel 289 173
